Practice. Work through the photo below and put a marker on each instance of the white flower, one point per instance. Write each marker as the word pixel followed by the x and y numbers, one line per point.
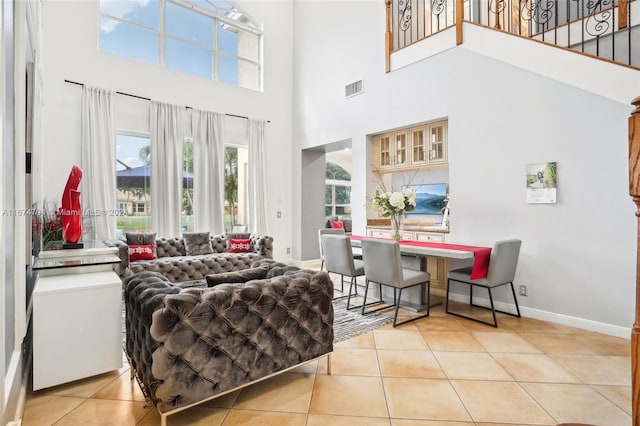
pixel 410 195
pixel 396 199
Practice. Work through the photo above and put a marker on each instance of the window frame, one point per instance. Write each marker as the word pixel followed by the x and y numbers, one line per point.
pixel 215 51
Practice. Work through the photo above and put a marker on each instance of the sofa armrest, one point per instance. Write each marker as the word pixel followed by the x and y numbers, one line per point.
pixel 123 254
pixel 262 245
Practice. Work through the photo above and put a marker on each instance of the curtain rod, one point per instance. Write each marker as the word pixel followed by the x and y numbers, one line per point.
pixel 147 99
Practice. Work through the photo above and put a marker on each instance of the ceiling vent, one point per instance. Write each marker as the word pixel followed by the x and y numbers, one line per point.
pixel 353 89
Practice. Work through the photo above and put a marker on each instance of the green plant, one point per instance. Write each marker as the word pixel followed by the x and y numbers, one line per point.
pixel 46 226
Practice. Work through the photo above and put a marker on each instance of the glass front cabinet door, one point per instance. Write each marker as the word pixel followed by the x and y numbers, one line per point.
pixel 437 143
pixel 382 143
pixel 418 146
pixel 401 145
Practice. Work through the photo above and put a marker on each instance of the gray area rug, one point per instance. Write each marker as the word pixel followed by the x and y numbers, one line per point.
pixel 348 324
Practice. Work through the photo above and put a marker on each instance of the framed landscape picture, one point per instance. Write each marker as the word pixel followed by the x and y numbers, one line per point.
pixel 430 198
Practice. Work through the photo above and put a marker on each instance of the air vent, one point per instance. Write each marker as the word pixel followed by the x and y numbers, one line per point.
pixel 353 89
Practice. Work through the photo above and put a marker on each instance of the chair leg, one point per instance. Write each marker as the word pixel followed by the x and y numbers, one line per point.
pixel 351 284
pixel 446 300
pixel 515 299
pixel 342 283
pixel 366 288
pixel 493 309
pixel 395 318
pixel 322 264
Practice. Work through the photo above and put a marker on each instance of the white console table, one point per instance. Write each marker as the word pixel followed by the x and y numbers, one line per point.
pixel 77 315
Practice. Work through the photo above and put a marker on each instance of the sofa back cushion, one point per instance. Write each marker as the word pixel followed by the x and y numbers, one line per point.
pixel 242 276
pixel 196 243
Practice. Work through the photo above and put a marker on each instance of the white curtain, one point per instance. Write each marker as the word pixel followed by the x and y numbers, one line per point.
pixel 257 177
pixel 98 184
pixel 167 139
pixel 208 169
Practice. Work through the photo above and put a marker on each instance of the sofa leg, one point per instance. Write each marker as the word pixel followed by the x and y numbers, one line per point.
pixel 329 364
pixel 131 375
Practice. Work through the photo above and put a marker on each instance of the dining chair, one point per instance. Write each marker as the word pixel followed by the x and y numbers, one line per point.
pixel 339 260
pixel 383 265
pixel 502 270
pixel 356 251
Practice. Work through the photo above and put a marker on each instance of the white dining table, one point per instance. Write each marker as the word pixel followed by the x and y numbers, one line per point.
pixel 423 252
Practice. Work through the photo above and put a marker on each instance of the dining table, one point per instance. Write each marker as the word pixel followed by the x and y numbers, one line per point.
pixel 423 249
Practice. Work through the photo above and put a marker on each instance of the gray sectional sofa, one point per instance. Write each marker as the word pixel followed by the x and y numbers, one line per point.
pixel 173 262
pixel 188 343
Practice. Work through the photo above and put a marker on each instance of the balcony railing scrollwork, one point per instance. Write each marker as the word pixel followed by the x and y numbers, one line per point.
pixel 602 28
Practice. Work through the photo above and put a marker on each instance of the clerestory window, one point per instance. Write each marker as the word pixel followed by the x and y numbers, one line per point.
pixel 208 38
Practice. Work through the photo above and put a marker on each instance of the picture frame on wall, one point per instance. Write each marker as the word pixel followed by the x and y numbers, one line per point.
pixel 542 183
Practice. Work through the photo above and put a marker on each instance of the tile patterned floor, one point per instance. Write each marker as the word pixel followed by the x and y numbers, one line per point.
pixel 438 371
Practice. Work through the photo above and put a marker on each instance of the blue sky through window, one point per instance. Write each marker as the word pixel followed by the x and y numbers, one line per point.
pixel 128 150
pixel 143 42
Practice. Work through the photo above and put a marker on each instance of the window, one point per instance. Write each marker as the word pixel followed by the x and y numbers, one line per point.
pixel 236 159
pixel 187 186
pixel 337 193
pixel 209 39
pixel 133 175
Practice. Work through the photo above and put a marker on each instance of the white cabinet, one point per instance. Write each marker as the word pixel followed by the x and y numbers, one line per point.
pixel 77 327
pixel 423 146
pixel 77 315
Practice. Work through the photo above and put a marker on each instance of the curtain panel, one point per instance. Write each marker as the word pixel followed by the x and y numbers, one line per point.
pixel 257 177
pixel 98 154
pixel 208 169
pixel 167 140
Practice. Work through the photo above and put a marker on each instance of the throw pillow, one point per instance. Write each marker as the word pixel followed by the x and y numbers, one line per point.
pixel 338 224
pixel 141 252
pixel 139 239
pixel 197 243
pixel 237 245
pixel 237 276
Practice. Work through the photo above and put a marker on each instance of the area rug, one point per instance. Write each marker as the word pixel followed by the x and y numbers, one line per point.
pixel 348 324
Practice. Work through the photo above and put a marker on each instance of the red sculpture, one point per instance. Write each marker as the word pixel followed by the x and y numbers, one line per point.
pixel 71 214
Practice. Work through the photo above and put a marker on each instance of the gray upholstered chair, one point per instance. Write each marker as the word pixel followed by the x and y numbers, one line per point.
pixel 338 258
pixel 357 252
pixel 383 265
pixel 502 270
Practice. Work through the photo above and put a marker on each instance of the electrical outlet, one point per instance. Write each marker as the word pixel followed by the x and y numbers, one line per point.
pixel 523 290
pixel 288 250
pixel 279 215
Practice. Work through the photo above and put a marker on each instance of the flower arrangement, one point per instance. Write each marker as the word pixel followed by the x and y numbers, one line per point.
pixel 393 205
pixel 46 226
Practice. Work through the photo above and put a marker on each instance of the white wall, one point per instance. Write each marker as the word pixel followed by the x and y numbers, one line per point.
pixel 71 52
pixel 578 256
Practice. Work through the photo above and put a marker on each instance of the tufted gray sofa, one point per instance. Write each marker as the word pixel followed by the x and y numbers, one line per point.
pixel 176 266
pixel 188 343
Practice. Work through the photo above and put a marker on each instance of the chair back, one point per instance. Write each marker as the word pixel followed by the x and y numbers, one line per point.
pixel 504 259
pixel 338 257
pixel 323 231
pixel 382 262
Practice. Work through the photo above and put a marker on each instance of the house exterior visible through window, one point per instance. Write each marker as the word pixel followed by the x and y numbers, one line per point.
pixel 208 38
pixel 133 181
pixel 337 191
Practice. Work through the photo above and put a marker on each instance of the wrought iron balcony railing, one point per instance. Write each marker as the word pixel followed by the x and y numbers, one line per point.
pixel 601 28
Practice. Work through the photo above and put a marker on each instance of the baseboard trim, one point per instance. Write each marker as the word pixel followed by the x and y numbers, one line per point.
pixel 562 319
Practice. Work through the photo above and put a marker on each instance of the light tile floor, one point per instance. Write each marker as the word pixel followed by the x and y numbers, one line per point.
pixel 438 371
